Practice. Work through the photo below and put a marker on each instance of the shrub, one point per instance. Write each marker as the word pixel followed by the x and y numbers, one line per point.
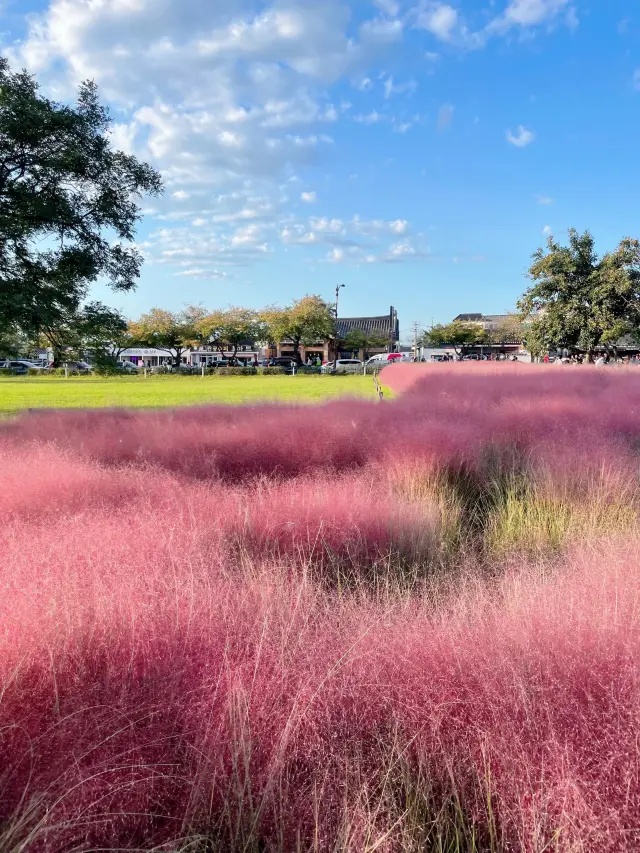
pixel 272 371
pixel 236 371
pixel 8 371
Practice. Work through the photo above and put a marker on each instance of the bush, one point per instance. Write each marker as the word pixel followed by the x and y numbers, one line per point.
pixel 272 371
pixel 8 371
pixel 107 370
pixel 236 371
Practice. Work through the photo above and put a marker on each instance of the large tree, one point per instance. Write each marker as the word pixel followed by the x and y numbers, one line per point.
pixel 167 331
pixel 65 194
pixel 228 328
pixel 305 322
pixel 91 329
pixel 458 335
pixel 579 300
pixel 358 341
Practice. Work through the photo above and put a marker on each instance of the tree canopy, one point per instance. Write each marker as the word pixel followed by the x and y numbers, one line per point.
pixel 167 331
pixel 357 340
pixel 62 187
pixel 581 300
pixel 306 321
pixel 456 334
pixel 227 329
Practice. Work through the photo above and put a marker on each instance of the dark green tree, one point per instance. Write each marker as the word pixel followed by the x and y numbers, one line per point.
pixel 359 341
pixel 92 330
pixel 64 195
pixel 579 300
pixel 457 334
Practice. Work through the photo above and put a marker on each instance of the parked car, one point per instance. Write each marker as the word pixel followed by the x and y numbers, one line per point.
pixel 343 365
pixel 282 361
pixel 80 366
pixel 20 366
pixel 127 366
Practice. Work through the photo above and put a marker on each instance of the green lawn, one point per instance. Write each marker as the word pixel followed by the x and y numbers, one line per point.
pixel 21 393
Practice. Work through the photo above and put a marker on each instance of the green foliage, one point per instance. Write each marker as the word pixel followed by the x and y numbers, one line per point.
pixel 358 340
pixel 62 186
pixel 236 371
pixel 227 329
pixel 91 328
pixel 306 321
pixel 271 371
pixel 579 300
pixel 166 331
pixel 457 335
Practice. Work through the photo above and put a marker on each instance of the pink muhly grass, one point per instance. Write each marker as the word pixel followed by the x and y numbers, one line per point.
pixel 171 673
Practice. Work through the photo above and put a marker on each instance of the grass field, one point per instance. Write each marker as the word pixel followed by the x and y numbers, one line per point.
pixel 167 391
pixel 410 627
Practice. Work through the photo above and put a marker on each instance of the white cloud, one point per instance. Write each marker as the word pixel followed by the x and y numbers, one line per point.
pixel 399 226
pixel 369 118
pixel 365 85
pixel 199 222
pixel 203 273
pixel 547 231
pixel 382 30
pixel 181 195
pixel 440 19
pixel 445 116
pixel 521 138
pixel 530 13
pixel 544 199
pixel 389 7
pixel 571 19
pixel 309 198
pixel 391 88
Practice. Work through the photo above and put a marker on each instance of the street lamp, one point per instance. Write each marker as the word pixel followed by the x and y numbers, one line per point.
pixel 338 287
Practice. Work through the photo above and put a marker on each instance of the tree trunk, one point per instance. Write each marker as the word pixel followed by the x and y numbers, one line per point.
pixel 177 361
pixel 296 352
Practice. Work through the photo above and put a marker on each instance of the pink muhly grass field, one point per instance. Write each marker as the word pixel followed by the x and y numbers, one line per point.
pixel 196 651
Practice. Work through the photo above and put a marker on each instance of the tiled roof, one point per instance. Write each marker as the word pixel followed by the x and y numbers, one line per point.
pixel 468 318
pixel 379 326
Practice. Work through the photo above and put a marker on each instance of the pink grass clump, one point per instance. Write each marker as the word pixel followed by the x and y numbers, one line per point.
pixel 173 676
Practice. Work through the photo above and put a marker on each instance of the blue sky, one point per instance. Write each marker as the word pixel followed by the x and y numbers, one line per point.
pixel 417 151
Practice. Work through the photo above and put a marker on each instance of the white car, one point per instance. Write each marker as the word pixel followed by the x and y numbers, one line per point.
pixel 343 365
pixel 127 366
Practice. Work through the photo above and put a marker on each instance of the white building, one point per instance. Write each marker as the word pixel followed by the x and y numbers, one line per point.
pixel 150 357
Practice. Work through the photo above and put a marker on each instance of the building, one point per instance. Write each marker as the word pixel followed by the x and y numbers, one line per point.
pixel 385 328
pixel 489 322
pixel 147 357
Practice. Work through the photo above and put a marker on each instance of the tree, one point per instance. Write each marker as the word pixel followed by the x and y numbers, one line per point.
pixel 356 340
pixel 305 322
pixel 91 328
pixel 581 301
pixel 61 187
pixel 164 330
pixel 105 332
pixel 227 329
pixel 510 330
pixel 13 342
pixel 457 334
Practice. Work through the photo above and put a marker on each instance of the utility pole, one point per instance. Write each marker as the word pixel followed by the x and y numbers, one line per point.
pixel 416 331
pixel 338 288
